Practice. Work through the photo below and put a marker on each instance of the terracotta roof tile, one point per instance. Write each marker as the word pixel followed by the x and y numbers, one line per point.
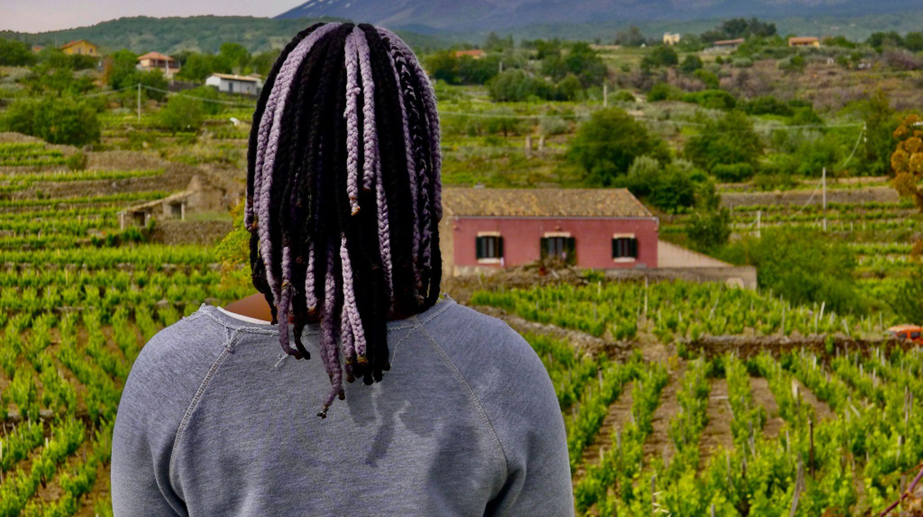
pixel 548 202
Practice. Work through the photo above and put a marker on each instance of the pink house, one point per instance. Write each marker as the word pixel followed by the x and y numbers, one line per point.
pixel 592 228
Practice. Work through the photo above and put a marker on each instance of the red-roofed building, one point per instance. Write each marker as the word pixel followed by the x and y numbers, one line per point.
pixel 475 54
pixel 158 61
pixel 593 228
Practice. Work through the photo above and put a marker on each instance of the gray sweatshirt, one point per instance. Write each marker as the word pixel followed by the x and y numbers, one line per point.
pixel 214 421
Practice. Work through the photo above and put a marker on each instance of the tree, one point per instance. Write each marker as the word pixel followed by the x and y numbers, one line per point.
pixel 726 141
pixel 691 63
pixel 630 38
pixel 199 66
pixel 495 43
pixel 57 120
pixel 608 143
pixel 907 299
pixel 801 265
pixel 581 61
pixel 233 57
pixel 880 126
pixel 262 63
pixel 182 113
pixel 661 56
pixel 120 66
pixel 907 162
pixel 15 53
pixel 671 187
pixel 517 86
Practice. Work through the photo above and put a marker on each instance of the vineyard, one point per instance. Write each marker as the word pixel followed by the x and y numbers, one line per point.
pixel 78 299
pixel 835 432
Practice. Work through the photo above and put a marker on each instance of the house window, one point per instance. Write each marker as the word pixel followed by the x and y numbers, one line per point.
pixel 561 246
pixel 231 87
pixel 489 248
pixel 624 248
pixel 176 210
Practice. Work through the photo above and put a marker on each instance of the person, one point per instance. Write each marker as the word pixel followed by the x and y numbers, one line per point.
pixel 453 412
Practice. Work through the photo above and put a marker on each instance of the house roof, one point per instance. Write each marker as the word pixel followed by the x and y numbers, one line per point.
pixel 803 39
pixel 231 77
pixel 542 202
pixel 75 42
pixel 472 53
pixel 156 56
pixel 722 43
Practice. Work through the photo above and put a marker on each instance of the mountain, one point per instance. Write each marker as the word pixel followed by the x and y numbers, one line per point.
pixel 198 33
pixel 474 15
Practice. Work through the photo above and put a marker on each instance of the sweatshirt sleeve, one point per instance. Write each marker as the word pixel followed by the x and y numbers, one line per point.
pixel 159 391
pixel 520 404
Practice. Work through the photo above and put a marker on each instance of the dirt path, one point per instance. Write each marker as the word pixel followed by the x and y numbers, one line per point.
pixel 763 396
pixel 717 432
pixel 619 413
pixel 821 409
pixel 658 444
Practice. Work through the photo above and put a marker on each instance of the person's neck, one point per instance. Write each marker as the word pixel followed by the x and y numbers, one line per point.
pixel 255 306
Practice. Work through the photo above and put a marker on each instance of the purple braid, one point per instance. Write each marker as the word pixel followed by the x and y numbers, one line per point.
pixel 274 111
pixel 349 300
pixel 280 90
pixel 285 302
pixel 370 166
pixel 399 67
pixel 309 280
pixel 352 122
pixel 329 335
pixel 432 116
pixel 349 347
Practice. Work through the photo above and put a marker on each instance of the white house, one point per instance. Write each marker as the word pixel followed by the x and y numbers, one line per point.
pixel 244 84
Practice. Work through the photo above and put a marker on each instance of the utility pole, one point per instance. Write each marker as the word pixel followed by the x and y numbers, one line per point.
pixel 139 102
pixel 605 95
pixel 501 67
pixel 759 218
pixel 824 180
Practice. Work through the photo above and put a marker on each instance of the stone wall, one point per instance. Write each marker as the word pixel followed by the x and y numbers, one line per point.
pixel 174 232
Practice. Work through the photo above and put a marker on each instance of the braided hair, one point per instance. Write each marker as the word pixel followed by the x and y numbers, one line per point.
pixel 344 195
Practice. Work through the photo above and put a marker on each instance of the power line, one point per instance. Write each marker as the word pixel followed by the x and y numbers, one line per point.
pixel 203 99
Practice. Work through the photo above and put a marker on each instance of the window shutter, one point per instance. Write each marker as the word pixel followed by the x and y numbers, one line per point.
pixel 633 248
pixel 543 244
pixel 570 246
pixel 499 247
pixel 479 245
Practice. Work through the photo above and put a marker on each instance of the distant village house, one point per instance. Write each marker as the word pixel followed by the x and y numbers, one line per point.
pixel 671 39
pixel 243 84
pixel 804 42
pixel 474 54
pixel 37 48
pixel 158 61
pixel 729 45
pixel 81 47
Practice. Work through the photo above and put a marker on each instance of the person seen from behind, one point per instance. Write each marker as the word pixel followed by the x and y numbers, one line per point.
pixel 386 399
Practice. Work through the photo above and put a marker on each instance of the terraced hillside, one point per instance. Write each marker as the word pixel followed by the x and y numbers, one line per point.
pixel 78 299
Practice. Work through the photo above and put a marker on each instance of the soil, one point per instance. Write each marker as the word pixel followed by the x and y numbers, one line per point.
pixel 821 409
pixel 659 443
pixel 717 432
pixel 762 395
pixel 619 413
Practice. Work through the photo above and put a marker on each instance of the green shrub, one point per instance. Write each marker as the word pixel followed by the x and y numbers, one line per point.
pixel 663 92
pixel 182 114
pixel 733 173
pixel 726 141
pixel 691 64
pixel 517 86
pixel 712 99
pixel 768 105
pixel 708 78
pixel 609 142
pixel 61 120
pixel 623 96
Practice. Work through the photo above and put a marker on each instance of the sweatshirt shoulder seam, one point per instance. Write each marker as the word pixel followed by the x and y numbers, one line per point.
pixel 226 348
pixel 474 398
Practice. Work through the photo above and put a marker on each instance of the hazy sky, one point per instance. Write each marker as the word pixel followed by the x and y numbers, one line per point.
pixel 47 15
